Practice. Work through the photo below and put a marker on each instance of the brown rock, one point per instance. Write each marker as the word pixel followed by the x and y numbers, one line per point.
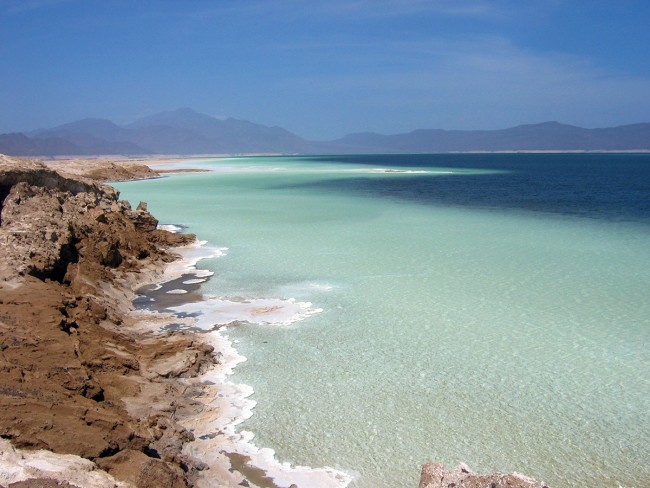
pixel 67 363
pixel 142 471
pixel 436 476
pixel 110 171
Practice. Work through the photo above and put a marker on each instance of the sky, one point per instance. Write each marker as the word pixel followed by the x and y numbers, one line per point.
pixel 328 68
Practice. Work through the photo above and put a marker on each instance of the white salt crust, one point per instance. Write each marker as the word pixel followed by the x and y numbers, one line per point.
pixel 227 404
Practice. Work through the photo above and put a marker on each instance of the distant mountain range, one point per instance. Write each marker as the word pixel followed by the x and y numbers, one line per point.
pixel 547 136
pixel 186 132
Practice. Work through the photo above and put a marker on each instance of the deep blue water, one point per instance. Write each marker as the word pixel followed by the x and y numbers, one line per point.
pixel 601 186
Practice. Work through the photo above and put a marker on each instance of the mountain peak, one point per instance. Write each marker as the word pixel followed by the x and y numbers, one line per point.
pixel 180 118
pixel 185 111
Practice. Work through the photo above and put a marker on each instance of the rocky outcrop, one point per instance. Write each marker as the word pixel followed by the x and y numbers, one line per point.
pixel 50 222
pixel 110 171
pixel 69 358
pixel 436 476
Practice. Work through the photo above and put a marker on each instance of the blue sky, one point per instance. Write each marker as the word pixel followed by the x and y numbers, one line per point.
pixel 325 69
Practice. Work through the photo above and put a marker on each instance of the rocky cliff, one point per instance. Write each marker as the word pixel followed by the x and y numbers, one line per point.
pixel 71 253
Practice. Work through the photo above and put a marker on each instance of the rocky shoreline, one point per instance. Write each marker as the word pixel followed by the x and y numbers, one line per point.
pixel 70 355
pixel 86 391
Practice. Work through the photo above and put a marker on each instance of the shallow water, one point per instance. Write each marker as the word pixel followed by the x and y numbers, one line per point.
pixel 490 309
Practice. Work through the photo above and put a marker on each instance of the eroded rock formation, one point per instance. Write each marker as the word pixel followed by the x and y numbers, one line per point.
pixel 70 251
pixel 436 476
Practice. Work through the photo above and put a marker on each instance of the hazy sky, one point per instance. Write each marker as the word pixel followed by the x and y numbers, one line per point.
pixel 326 68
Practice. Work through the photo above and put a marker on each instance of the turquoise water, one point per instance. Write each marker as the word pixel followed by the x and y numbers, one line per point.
pixel 512 337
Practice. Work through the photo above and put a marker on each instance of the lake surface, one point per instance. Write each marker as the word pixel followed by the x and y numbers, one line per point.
pixel 492 309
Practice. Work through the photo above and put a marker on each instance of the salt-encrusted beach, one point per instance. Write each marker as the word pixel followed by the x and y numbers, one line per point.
pixel 220 404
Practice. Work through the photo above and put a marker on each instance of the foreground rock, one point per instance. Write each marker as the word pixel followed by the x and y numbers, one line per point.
pixel 436 476
pixel 69 358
